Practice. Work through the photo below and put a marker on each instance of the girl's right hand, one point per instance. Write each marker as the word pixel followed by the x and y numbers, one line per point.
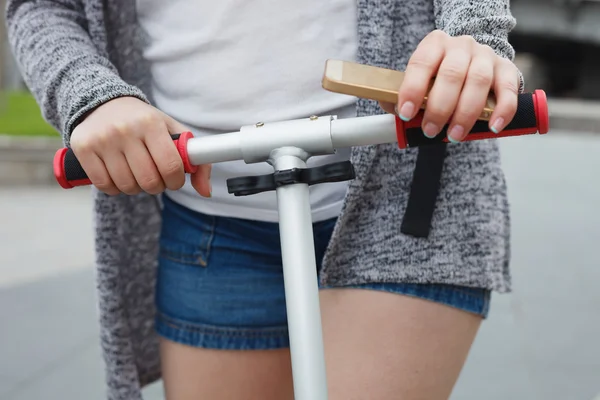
pixel 125 146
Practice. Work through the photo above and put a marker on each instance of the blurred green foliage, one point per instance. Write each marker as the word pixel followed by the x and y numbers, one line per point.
pixel 21 116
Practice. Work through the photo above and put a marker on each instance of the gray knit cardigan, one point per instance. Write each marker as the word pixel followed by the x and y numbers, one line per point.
pixel 78 54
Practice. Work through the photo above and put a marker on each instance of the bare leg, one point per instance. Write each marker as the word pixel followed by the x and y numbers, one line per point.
pixel 382 346
pixel 195 374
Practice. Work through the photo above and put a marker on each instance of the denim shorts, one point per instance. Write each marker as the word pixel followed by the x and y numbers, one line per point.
pixel 220 282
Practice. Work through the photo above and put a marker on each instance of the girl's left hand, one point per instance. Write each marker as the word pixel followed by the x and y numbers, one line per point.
pixel 465 72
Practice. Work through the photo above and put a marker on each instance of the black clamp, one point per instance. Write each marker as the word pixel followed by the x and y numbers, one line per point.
pixel 248 185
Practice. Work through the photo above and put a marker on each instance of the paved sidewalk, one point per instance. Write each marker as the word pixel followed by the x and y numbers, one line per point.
pixel 540 343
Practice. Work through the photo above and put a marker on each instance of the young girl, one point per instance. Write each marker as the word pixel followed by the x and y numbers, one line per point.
pixel 191 288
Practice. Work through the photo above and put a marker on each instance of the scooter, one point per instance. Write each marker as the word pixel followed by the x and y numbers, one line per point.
pixel 286 146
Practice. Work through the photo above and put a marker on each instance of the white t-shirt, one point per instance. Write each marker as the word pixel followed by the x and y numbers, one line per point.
pixel 219 65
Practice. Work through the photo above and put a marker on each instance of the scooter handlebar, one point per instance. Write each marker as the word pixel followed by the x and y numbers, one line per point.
pixel 531 117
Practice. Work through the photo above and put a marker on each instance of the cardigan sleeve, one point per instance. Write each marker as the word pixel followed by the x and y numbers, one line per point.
pixel 489 22
pixel 60 63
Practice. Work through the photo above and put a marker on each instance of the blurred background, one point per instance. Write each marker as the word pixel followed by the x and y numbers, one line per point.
pixel 541 342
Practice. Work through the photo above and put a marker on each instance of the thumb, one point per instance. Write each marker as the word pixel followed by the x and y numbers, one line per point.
pixel 388 107
pixel 200 179
pixel 174 126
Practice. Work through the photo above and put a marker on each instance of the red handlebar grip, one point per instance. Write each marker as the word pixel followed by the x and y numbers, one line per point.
pixel 69 173
pixel 531 117
pixel 181 143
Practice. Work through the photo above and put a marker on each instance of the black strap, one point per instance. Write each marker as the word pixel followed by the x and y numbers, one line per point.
pixel 424 190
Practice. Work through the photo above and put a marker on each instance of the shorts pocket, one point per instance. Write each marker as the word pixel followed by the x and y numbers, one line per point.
pixel 186 236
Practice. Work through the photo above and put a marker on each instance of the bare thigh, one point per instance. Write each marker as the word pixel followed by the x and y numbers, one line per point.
pixel 197 374
pixel 382 346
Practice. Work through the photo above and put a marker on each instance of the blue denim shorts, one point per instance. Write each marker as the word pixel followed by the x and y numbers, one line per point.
pixel 220 282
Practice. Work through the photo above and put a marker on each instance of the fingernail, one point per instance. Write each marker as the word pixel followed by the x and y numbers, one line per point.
pixel 406 112
pixel 497 125
pixel 456 133
pixel 431 130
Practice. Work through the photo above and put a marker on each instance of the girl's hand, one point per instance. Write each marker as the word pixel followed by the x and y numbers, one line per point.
pixel 465 72
pixel 124 146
